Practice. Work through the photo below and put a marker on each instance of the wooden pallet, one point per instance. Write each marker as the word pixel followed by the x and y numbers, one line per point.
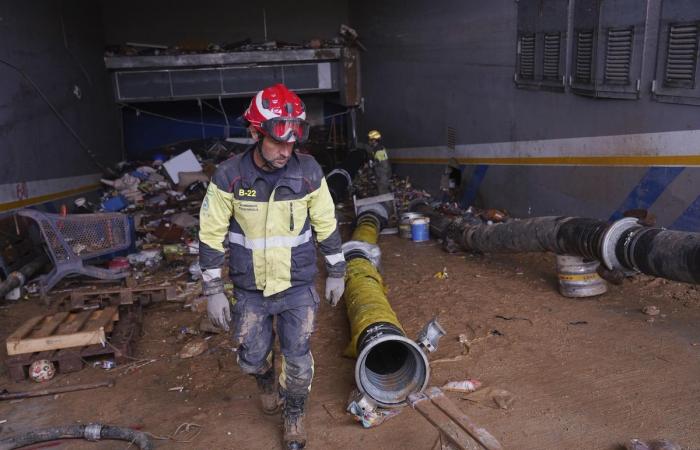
pixel 119 347
pixel 121 296
pixel 62 330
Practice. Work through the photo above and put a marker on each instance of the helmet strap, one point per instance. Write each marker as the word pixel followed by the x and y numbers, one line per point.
pixel 266 162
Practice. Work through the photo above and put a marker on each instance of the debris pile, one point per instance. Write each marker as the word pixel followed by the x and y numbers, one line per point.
pixel 347 37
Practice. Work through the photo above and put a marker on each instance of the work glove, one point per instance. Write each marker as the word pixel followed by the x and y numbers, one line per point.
pixel 335 286
pixel 219 310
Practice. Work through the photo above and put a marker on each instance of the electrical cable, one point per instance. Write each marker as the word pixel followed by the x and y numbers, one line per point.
pixel 175 119
pixel 65 123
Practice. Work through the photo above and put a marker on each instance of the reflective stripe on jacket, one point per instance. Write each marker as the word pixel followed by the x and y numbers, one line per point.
pixel 269 228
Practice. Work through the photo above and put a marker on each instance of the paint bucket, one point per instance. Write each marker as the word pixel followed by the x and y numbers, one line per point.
pixel 420 229
pixel 405 224
pixel 578 277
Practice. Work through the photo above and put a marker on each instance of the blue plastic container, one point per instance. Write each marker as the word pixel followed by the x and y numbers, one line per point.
pixel 420 229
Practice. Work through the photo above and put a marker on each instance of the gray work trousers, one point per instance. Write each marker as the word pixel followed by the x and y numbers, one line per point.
pixel 295 310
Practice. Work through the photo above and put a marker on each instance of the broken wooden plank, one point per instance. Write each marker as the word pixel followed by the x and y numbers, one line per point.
pixel 454 434
pixel 481 435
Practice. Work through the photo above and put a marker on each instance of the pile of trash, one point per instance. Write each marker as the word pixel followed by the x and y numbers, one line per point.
pixel 159 201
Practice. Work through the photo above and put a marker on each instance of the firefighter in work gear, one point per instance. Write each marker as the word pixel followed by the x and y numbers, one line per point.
pixel 271 202
pixel 381 164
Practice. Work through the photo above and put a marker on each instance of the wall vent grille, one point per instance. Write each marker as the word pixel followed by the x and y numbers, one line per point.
pixel 552 44
pixel 584 56
pixel 682 55
pixel 451 138
pixel 618 55
pixel 527 56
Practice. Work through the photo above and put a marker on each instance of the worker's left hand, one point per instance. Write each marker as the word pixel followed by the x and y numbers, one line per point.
pixel 335 286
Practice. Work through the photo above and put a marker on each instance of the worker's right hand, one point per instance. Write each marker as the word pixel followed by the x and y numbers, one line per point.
pixel 219 310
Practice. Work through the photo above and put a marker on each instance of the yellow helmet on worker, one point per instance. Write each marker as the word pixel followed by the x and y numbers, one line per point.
pixel 374 134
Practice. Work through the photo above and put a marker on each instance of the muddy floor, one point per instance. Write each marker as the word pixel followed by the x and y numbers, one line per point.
pixel 577 374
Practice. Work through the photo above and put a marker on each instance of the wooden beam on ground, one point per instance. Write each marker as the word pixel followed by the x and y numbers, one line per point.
pixel 453 433
pixel 480 434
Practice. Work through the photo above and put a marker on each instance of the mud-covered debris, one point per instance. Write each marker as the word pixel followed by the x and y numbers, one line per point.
pixel 193 348
pixel 651 310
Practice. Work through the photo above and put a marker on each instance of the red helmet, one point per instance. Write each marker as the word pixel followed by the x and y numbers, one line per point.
pixel 279 113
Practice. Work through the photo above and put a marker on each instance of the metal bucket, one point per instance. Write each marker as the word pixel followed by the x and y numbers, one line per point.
pixel 405 224
pixel 420 229
pixel 578 277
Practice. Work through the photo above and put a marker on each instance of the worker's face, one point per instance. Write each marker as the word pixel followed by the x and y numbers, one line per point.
pixel 277 153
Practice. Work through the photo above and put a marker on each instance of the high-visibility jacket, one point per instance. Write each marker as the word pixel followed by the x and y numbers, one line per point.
pixel 270 228
pixel 381 155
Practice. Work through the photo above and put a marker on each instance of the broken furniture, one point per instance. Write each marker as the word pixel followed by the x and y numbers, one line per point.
pixel 73 239
pixel 67 339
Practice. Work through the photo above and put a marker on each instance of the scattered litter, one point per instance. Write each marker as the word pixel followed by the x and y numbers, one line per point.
pixel 183 434
pixel 14 294
pixel 660 444
pixel 492 398
pixel 177 389
pixel 193 348
pixel 448 360
pixel 651 310
pixel 189 331
pixel 148 258
pixel 184 162
pixel 104 364
pixel 467 343
pixel 184 220
pixel 514 318
pixel 464 386
pixel 369 416
pixel 442 274
pixel 503 398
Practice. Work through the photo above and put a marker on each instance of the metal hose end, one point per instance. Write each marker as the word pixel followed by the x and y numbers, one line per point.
pixel 390 368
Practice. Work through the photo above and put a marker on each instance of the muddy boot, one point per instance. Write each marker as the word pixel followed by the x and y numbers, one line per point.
pixel 269 397
pixel 293 414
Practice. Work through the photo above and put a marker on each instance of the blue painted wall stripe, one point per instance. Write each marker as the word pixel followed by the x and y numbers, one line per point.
pixel 690 219
pixel 474 183
pixel 650 187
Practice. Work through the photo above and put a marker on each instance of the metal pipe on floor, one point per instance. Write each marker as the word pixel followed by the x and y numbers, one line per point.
pixel 340 179
pixel 389 365
pixel 18 278
pixel 622 245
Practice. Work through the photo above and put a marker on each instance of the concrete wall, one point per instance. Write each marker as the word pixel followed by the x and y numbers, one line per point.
pixel 433 65
pixel 188 23
pixel 59 46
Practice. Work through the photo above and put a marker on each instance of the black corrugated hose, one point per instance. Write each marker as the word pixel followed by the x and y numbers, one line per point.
pixel 91 432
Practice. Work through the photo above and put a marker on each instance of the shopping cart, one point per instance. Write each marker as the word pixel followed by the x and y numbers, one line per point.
pixel 73 239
